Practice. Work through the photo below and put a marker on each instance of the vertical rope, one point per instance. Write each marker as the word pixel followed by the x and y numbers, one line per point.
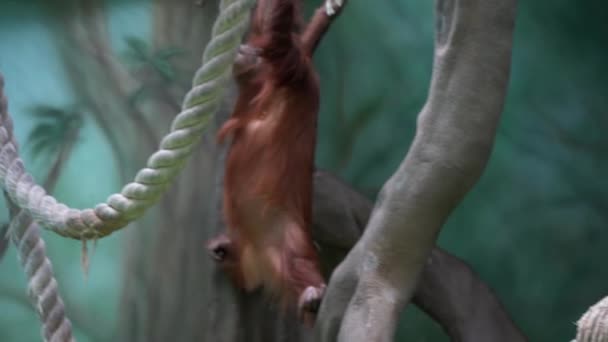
pixel 41 283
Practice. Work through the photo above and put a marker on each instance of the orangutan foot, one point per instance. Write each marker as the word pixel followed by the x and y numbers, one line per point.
pixel 219 248
pixel 309 303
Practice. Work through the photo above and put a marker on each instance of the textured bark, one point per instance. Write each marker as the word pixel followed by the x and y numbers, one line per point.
pixel 449 291
pixel 454 138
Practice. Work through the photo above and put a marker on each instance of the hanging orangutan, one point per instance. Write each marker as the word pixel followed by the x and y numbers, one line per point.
pixel 267 198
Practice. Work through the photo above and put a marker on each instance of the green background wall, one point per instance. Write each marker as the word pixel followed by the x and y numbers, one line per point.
pixel 535 227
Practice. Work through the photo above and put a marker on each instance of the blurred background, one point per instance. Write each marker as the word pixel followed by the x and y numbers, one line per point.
pixel 93 85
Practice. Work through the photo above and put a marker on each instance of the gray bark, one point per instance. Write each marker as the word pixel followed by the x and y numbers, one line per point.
pixel 454 138
pixel 449 291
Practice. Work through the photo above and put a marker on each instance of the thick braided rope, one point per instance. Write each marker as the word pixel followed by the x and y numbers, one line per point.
pixel 150 183
pixel 41 283
pixel 42 286
pixel 593 326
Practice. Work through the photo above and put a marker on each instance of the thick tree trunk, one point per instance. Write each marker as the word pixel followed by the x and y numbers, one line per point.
pixel 166 275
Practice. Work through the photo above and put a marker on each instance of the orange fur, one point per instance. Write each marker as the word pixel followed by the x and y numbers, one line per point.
pixel 269 168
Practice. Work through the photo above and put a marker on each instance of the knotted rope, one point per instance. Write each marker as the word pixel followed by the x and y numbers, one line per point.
pixel 201 102
pixel 30 204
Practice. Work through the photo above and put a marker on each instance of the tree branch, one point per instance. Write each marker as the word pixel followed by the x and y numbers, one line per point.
pixel 454 138
pixel 449 291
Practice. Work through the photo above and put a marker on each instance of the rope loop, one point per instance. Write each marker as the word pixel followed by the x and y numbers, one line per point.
pixel 150 183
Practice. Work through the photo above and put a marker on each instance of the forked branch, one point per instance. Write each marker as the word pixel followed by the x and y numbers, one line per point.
pixel 454 138
pixel 449 290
